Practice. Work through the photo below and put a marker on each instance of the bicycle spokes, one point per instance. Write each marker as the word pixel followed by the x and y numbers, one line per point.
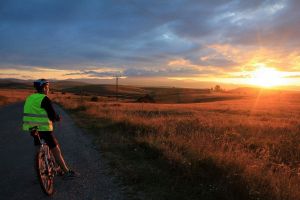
pixel 45 171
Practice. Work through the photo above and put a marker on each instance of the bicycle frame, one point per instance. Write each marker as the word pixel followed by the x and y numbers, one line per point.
pixel 43 143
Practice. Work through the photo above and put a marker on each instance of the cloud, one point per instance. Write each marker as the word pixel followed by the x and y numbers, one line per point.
pixel 175 69
pixel 92 73
pixel 161 72
pixel 140 38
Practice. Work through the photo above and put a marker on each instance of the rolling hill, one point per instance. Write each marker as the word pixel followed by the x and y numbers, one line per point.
pixel 133 93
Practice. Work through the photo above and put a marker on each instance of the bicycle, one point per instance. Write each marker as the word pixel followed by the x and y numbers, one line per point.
pixel 45 164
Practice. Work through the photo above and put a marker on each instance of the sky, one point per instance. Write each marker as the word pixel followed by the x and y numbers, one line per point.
pixel 180 42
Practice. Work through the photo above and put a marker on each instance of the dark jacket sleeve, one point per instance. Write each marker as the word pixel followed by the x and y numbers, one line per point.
pixel 47 105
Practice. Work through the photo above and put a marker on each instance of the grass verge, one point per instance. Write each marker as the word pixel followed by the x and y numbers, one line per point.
pixel 145 169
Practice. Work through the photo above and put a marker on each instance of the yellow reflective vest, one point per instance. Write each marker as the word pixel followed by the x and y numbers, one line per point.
pixel 34 115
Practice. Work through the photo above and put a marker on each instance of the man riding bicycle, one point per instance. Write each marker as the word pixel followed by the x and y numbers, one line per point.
pixel 38 111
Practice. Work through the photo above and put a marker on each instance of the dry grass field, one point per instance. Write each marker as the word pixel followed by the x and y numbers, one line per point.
pixel 8 96
pixel 235 149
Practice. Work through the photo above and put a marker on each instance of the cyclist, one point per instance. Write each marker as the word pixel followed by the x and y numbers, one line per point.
pixel 38 111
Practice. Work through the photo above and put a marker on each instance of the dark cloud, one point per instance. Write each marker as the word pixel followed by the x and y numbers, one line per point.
pixel 271 24
pixel 136 34
pixel 92 73
pixel 145 72
pixel 161 72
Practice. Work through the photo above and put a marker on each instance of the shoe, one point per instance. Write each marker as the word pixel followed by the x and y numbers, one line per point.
pixel 71 174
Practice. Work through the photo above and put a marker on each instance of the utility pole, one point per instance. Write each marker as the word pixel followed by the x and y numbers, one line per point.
pixel 117 86
pixel 81 98
pixel 81 93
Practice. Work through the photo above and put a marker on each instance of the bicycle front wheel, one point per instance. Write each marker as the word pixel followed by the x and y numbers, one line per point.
pixel 44 172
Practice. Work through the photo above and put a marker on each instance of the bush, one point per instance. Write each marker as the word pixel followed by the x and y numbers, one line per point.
pixel 146 99
pixel 95 99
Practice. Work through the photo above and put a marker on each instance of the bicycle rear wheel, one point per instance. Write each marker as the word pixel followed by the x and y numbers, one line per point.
pixel 44 172
pixel 55 166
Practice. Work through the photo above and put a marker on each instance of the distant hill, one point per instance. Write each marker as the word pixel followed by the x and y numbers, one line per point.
pixel 107 90
pixel 28 84
pixel 61 85
pixel 15 84
pixel 254 91
pixel 176 95
pixel 134 93
pixel 245 90
pixel 159 94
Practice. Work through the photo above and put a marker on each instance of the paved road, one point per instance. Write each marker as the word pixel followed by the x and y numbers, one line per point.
pixel 18 179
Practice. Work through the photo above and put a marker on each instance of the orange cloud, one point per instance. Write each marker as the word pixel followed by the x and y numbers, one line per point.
pixel 278 58
pixel 179 62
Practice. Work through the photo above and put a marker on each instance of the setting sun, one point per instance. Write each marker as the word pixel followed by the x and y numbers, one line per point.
pixel 267 77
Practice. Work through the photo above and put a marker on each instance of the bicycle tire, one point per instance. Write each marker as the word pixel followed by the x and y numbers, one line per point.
pixel 45 179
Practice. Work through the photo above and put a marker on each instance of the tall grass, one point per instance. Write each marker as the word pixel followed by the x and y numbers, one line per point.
pixel 246 148
pixel 8 96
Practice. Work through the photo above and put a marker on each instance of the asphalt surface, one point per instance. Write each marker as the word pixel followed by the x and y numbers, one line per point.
pixel 18 178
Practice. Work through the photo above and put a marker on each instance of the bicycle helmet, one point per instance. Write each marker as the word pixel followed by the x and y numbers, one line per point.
pixel 39 84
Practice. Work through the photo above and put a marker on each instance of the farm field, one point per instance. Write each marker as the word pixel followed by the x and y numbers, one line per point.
pixel 236 149
pixel 245 148
pixel 8 96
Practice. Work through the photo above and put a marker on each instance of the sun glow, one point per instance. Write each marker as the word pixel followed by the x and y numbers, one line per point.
pixel 267 77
